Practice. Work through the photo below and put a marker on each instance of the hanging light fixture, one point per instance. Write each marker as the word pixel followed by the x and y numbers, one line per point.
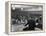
pixel 13 7
pixel 22 9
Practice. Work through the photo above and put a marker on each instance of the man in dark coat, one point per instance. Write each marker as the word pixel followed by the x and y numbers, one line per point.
pixel 31 25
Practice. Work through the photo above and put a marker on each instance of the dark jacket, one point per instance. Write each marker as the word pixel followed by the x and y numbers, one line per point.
pixel 31 24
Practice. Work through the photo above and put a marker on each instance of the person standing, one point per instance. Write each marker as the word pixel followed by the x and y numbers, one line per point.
pixel 31 24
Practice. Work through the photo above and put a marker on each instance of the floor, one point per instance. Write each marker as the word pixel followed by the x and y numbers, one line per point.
pixel 20 27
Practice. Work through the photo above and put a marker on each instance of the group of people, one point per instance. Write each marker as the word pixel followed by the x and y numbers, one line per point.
pixel 19 20
pixel 31 22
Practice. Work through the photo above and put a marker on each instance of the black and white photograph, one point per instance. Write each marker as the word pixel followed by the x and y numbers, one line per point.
pixel 25 17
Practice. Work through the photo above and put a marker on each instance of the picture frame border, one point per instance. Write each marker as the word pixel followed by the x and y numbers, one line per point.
pixel 9 17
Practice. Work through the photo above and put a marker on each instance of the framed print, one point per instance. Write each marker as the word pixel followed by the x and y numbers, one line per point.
pixel 24 17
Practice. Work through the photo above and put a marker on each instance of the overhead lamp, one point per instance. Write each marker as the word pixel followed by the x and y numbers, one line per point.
pixel 21 8
pixel 13 7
